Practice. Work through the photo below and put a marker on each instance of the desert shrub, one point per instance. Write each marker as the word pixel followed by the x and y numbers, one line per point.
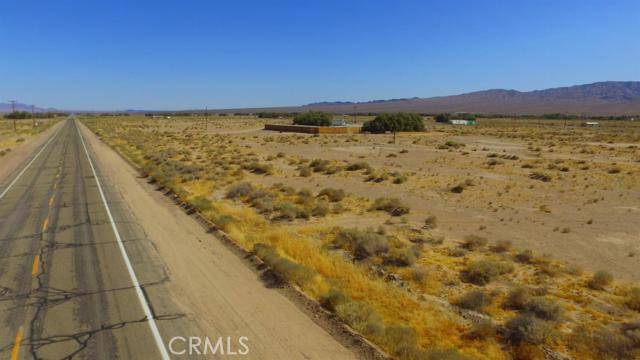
pixel 633 301
pixel 501 246
pixel 361 317
pixel 536 175
pixel 201 203
pixel 321 209
pixel 481 331
pixel 258 168
pixel 527 328
pixel 518 298
pixel 359 166
pixel 363 244
pixel 319 165
pixel 332 299
pixel 377 176
pixel 400 179
pixel 394 122
pixel 313 118
pixel 461 186
pixel 402 257
pixel 263 205
pixel 544 309
pixel 305 171
pixel 286 211
pixel 393 206
pixel 600 280
pixel 431 222
pixel 475 300
pixel 525 256
pixel 298 274
pixel 240 190
pixel 482 272
pixel 400 337
pixel 612 344
pixel 473 242
pixel 331 194
pixel 441 118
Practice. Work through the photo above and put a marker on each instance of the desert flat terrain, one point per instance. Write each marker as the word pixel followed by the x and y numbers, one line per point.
pixel 513 236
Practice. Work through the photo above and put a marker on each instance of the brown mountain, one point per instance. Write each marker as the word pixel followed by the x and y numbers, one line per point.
pixel 601 98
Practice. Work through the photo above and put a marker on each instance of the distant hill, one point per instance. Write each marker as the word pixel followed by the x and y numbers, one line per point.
pixel 6 107
pixel 601 98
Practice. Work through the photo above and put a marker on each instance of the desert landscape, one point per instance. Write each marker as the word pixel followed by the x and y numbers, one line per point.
pixel 515 237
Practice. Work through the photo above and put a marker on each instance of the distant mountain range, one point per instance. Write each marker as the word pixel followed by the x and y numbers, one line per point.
pixel 597 99
pixel 601 98
pixel 6 107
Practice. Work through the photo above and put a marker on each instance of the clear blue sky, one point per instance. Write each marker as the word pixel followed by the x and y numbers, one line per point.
pixel 143 54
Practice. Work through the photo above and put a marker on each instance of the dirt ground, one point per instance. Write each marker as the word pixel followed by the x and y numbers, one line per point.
pixel 212 285
pixel 588 218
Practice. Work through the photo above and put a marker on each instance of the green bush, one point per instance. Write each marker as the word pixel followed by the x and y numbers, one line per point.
pixel 442 118
pixel 394 122
pixel 313 118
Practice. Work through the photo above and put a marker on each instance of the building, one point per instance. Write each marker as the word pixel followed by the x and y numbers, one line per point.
pixel 591 124
pixel 339 122
pixel 462 122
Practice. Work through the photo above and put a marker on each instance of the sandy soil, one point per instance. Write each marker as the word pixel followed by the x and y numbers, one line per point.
pixel 598 210
pixel 213 286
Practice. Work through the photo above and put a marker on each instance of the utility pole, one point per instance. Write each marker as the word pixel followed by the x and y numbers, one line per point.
pixel 206 119
pixel 13 110
pixel 355 114
pixel 33 118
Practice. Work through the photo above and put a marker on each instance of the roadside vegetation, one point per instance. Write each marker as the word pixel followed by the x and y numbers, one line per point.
pixel 419 245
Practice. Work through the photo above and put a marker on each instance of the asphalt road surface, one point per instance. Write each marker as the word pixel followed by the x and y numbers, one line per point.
pixel 85 274
pixel 67 288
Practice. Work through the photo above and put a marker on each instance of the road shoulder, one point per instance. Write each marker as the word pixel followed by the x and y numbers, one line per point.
pixel 217 291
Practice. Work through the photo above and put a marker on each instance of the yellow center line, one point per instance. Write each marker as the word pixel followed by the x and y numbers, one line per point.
pixel 16 344
pixel 51 200
pixel 55 185
pixel 34 267
pixel 45 226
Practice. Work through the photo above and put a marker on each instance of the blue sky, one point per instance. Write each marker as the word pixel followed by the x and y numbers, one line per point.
pixel 105 55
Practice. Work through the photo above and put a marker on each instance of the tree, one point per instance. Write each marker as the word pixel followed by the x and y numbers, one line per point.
pixel 442 118
pixel 313 118
pixel 18 115
pixel 394 122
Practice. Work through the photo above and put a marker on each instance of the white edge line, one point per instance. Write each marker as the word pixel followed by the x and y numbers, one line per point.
pixel 134 279
pixel 15 180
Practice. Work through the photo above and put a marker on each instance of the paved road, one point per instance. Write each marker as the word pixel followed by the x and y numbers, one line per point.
pixel 87 275
pixel 66 290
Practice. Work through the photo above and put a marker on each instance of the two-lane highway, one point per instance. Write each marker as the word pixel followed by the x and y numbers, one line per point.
pixel 67 286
